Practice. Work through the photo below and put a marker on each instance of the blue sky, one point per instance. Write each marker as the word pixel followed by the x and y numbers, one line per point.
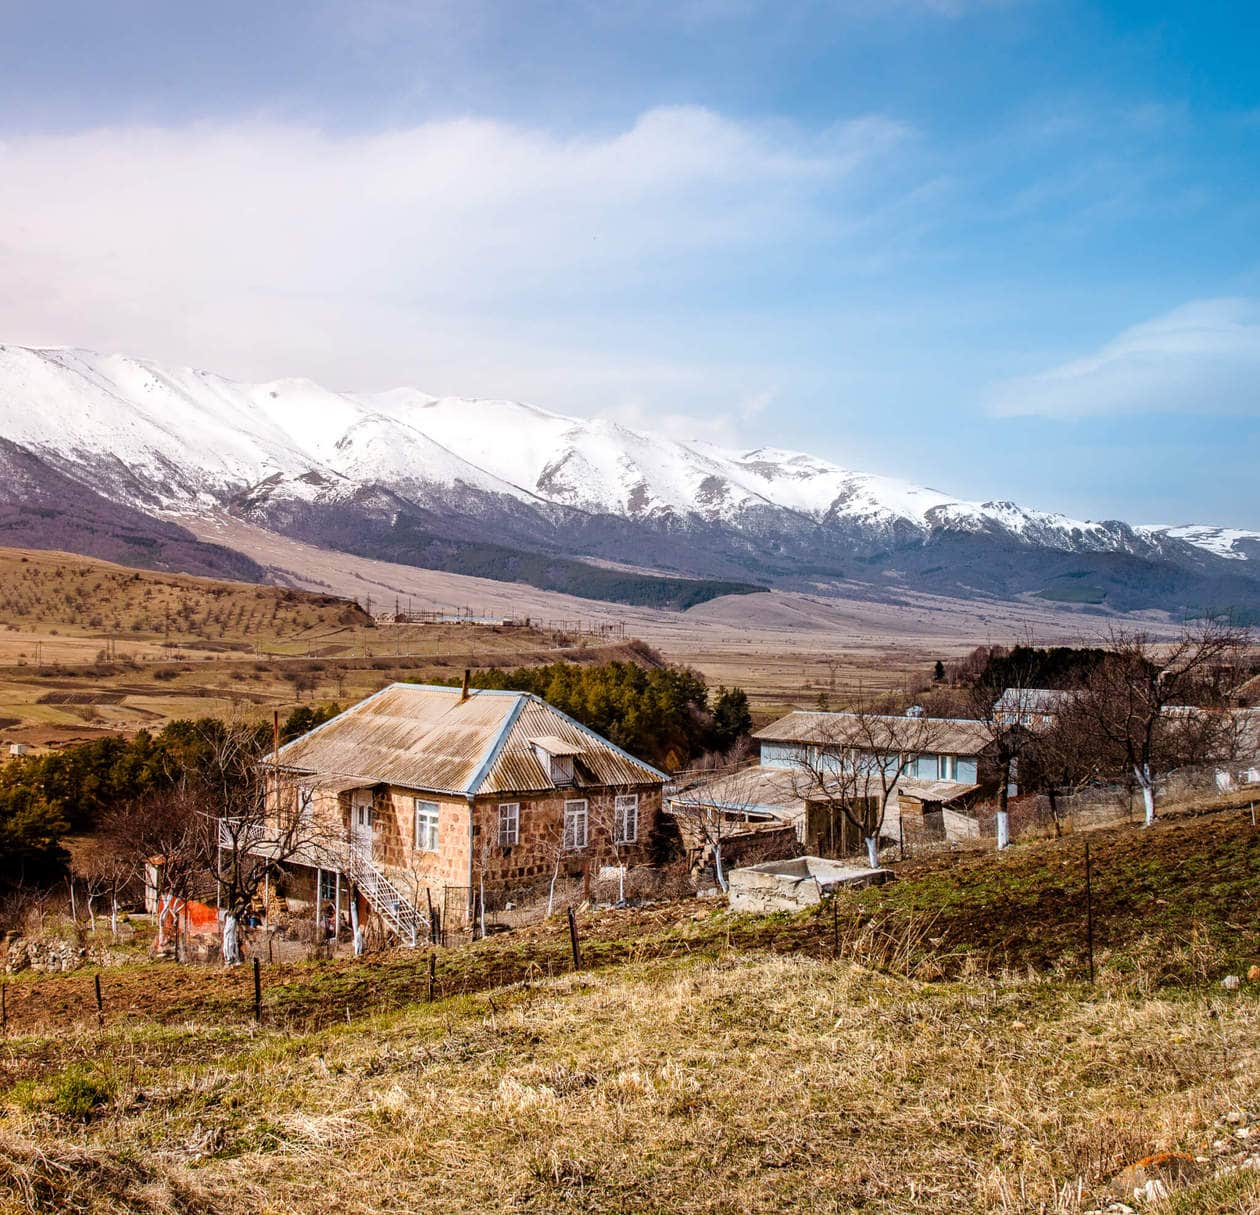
pixel 1009 249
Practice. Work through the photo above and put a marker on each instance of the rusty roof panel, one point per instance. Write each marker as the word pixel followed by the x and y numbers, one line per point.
pixel 431 738
pixel 944 735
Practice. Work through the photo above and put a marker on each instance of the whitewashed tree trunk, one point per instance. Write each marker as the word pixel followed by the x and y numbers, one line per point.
pixel 355 931
pixel 551 892
pixel 1143 774
pixel 91 910
pixel 1003 830
pixel 718 871
pixel 113 916
pixel 231 941
pixel 872 851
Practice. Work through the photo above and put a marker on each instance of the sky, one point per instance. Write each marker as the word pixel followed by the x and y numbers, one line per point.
pixel 1006 248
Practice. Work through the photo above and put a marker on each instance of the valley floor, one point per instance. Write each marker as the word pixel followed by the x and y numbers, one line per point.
pixel 783 648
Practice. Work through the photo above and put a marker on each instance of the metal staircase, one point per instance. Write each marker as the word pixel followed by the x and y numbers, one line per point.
pixel 409 923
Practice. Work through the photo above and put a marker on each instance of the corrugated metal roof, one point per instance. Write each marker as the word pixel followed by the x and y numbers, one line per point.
pixel 429 738
pixel 933 790
pixel 557 746
pixel 948 735
pixel 750 790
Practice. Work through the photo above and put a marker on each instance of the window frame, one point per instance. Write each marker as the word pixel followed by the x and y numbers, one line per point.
pixel 430 812
pixel 511 820
pixel 621 803
pixel 946 767
pixel 569 839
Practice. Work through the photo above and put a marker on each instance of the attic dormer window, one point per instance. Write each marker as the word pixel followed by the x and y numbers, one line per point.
pixel 557 759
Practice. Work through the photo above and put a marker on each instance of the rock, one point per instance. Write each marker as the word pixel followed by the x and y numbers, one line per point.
pixel 1253 974
pixel 1231 982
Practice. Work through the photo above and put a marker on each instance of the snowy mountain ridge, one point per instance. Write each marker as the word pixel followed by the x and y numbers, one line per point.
pixel 429 480
pixel 189 437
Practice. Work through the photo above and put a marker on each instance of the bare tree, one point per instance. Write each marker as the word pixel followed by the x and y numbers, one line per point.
pixel 1010 717
pixel 163 830
pixel 854 763
pixel 1144 701
pixel 709 813
pixel 256 818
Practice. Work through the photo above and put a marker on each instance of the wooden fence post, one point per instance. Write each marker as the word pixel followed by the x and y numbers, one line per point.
pixel 432 974
pixel 257 991
pixel 835 926
pixel 573 941
pixel 1089 913
pixel 100 1004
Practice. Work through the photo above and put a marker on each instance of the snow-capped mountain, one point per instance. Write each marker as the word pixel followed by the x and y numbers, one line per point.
pixel 400 472
pixel 1232 543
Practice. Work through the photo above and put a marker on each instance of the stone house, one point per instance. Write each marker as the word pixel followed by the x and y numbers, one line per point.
pixel 421 795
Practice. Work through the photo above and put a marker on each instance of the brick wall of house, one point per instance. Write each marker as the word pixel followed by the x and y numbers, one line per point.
pixel 541 826
pixel 533 857
pixel 394 837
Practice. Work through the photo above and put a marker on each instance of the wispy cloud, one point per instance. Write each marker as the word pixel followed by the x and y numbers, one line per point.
pixel 470 255
pixel 1201 358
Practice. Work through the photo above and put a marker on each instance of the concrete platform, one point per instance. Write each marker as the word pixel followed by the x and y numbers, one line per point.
pixel 797 883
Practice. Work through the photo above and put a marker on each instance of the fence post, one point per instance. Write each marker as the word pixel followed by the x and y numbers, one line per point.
pixel 432 974
pixel 573 941
pixel 1089 913
pixel 4 1007
pixel 1253 814
pixel 100 1005
pixel 257 991
pixel 835 926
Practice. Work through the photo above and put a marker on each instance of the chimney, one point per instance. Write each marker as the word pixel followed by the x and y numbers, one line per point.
pixel 463 692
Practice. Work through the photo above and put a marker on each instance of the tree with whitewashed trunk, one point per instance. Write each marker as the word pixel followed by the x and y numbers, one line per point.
pixel 255 818
pixel 1009 716
pixel 1149 703
pixel 853 763
pixel 615 820
pixel 709 806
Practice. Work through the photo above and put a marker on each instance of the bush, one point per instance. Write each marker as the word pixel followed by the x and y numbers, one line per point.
pixel 78 1093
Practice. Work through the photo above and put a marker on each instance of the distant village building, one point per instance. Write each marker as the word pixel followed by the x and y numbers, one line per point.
pixel 420 791
pixel 771 794
pixel 1031 707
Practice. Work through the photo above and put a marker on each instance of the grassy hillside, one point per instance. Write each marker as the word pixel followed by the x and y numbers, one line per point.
pixel 704 1063
pixel 86 597
pixel 86 646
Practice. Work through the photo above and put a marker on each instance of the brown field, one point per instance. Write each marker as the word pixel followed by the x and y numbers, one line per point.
pixel 86 646
pixel 933 1048
pixel 784 648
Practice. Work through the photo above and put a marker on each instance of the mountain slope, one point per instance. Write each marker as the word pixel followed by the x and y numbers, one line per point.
pixel 514 491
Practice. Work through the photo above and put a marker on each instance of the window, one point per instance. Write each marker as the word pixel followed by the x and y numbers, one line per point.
pixel 946 767
pixel 363 815
pixel 562 770
pixel 509 824
pixel 426 826
pixel 575 818
pixel 626 818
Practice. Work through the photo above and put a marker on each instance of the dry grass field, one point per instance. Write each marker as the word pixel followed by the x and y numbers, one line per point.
pixel 784 648
pixel 951 1058
pixel 87 646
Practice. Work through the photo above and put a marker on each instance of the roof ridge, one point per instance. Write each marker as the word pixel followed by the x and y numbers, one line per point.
pixel 496 748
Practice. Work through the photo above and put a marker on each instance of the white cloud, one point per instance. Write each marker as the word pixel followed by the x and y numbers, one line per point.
pixel 471 256
pixel 1201 358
